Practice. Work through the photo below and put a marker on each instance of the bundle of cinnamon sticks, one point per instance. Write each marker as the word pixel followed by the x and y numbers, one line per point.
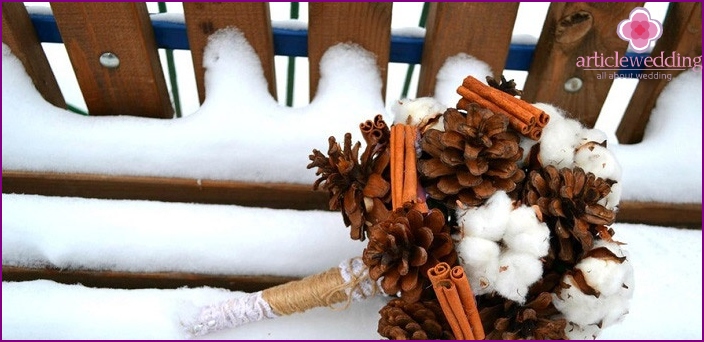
pixel 522 116
pixel 405 188
pixel 457 301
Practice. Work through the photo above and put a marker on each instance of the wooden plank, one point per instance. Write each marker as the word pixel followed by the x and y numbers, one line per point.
pixel 682 34
pixel 686 215
pixel 19 34
pixel 480 29
pixel 135 87
pixel 132 280
pixel 252 18
pixel 271 195
pixel 573 30
pixel 366 24
pixel 276 195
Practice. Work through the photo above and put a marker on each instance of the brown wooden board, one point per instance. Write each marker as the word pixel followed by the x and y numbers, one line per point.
pixel 251 18
pixel 137 86
pixel 574 30
pixel 682 34
pixel 18 33
pixel 363 23
pixel 270 195
pixel 480 29
pixel 134 280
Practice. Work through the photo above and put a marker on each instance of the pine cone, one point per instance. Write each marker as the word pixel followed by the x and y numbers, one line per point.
pixel 473 158
pixel 504 319
pixel 404 247
pixel 425 320
pixel 359 189
pixel 568 199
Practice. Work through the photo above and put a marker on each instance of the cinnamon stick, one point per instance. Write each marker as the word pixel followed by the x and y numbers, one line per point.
pixel 513 121
pixel 397 168
pixel 450 302
pixel 503 100
pixel 535 133
pixel 410 176
pixel 459 279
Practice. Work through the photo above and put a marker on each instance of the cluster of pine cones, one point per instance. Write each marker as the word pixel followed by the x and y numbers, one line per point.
pixel 475 155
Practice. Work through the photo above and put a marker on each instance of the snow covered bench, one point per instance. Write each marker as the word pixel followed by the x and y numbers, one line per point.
pixel 241 147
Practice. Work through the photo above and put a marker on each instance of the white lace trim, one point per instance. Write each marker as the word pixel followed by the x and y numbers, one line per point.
pixel 230 313
pixel 355 271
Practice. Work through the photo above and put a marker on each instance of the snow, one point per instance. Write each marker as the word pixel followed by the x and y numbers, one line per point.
pixel 215 143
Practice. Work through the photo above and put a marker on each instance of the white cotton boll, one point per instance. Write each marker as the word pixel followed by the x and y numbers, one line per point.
pixel 489 220
pixel 578 307
pixel 414 111
pixel 480 260
pixel 517 271
pixel 560 138
pixel 612 200
pixel 599 160
pixel 592 134
pixel 577 332
pixel 605 276
pixel 524 233
pixel 453 72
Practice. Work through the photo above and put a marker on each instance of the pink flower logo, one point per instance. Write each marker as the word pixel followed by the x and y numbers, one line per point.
pixel 639 29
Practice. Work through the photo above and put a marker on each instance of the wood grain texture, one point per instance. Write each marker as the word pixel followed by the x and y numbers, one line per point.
pixel 19 34
pixel 682 34
pixel 573 30
pixel 251 18
pixel 137 86
pixel 363 23
pixel 480 29
pixel 133 280
pixel 269 195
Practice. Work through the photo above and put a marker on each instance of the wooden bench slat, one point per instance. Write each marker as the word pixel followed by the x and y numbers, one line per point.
pixel 573 30
pixel 137 86
pixel 133 280
pixel 482 30
pixel 270 195
pixel 19 34
pixel 682 34
pixel 252 18
pixel 363 23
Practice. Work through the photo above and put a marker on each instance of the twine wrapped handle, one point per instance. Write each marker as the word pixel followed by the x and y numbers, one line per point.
pixel 348 282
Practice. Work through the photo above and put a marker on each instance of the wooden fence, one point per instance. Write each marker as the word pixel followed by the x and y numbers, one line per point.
pixel 480 29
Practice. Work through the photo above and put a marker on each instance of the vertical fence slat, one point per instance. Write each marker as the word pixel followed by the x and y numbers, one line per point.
pixel 18 33
pixel 137 86
pixel 366 24
pixel 682 34
pixel 252 18
pixel 572 30
pixel 482 30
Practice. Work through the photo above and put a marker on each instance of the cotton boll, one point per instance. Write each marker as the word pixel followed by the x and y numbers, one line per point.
pixel 612 200
pixel 577 332
pixel 517 271
pixel 418 111
pixel 489 220
pixel 592 134
pixel 560 138
pixel 480 260
pixel 524 233
pixel 605 276
pixel 578 307
pixel 598 160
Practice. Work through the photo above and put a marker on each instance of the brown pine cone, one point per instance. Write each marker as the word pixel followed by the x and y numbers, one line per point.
pixel 568 200
pixel 472 159
pixel 359 189
pixel 404 247
pixel 504 319
pixel 424 320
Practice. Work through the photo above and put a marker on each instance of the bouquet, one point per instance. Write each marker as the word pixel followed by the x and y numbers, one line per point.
pixel 489 220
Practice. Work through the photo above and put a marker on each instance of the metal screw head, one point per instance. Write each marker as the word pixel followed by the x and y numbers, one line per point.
pixel 109 60
pixel 573 85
